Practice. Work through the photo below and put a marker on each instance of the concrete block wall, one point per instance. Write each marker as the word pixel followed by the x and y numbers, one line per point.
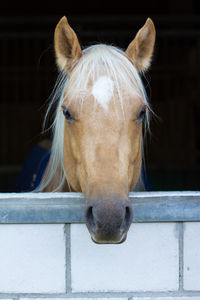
pixel 40 259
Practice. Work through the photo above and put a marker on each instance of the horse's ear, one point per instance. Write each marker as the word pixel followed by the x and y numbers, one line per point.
pixel 66 45
pixel 140 50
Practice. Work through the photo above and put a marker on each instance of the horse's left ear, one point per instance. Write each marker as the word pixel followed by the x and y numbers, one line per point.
pixel 140 50
pixel 66 45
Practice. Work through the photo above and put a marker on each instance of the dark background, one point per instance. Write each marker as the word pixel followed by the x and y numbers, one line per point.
pixel 28 74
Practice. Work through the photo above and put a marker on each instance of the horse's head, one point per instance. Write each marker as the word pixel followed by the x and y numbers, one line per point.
pixel 104 106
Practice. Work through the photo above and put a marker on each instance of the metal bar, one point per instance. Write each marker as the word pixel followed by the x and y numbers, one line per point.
pixel 29 208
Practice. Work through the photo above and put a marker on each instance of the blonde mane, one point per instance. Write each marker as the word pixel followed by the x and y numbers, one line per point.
pixel 96 61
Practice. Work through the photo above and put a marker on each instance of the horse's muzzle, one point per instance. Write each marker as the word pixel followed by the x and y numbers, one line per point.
pixel 108 221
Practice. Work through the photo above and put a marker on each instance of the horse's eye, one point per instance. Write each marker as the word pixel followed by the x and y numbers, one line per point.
pixel 67 114
pixel 142 114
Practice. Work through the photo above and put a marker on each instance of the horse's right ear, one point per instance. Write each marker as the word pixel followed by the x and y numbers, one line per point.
pixel 66 45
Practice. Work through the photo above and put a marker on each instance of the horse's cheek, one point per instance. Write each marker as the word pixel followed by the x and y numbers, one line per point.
pixel 135 159
pixel 71 155
pixel 72 142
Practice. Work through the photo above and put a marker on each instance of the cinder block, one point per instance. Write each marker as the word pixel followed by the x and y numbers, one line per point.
pixel 147 261
pixel 192 256
pixel 32 258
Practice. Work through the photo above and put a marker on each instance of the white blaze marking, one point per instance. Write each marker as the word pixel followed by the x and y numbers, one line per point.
pixel 102 91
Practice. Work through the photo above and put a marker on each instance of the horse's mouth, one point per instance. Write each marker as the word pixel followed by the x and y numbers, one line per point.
pixel 109 241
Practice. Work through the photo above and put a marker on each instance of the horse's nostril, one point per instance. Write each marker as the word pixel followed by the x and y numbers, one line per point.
pixel 90 217
pixel 127 214
pixel 127 218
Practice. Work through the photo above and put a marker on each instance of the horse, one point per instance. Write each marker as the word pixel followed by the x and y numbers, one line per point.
pixel 101 111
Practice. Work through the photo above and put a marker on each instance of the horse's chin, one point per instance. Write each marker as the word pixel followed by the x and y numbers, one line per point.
pixel 114 241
